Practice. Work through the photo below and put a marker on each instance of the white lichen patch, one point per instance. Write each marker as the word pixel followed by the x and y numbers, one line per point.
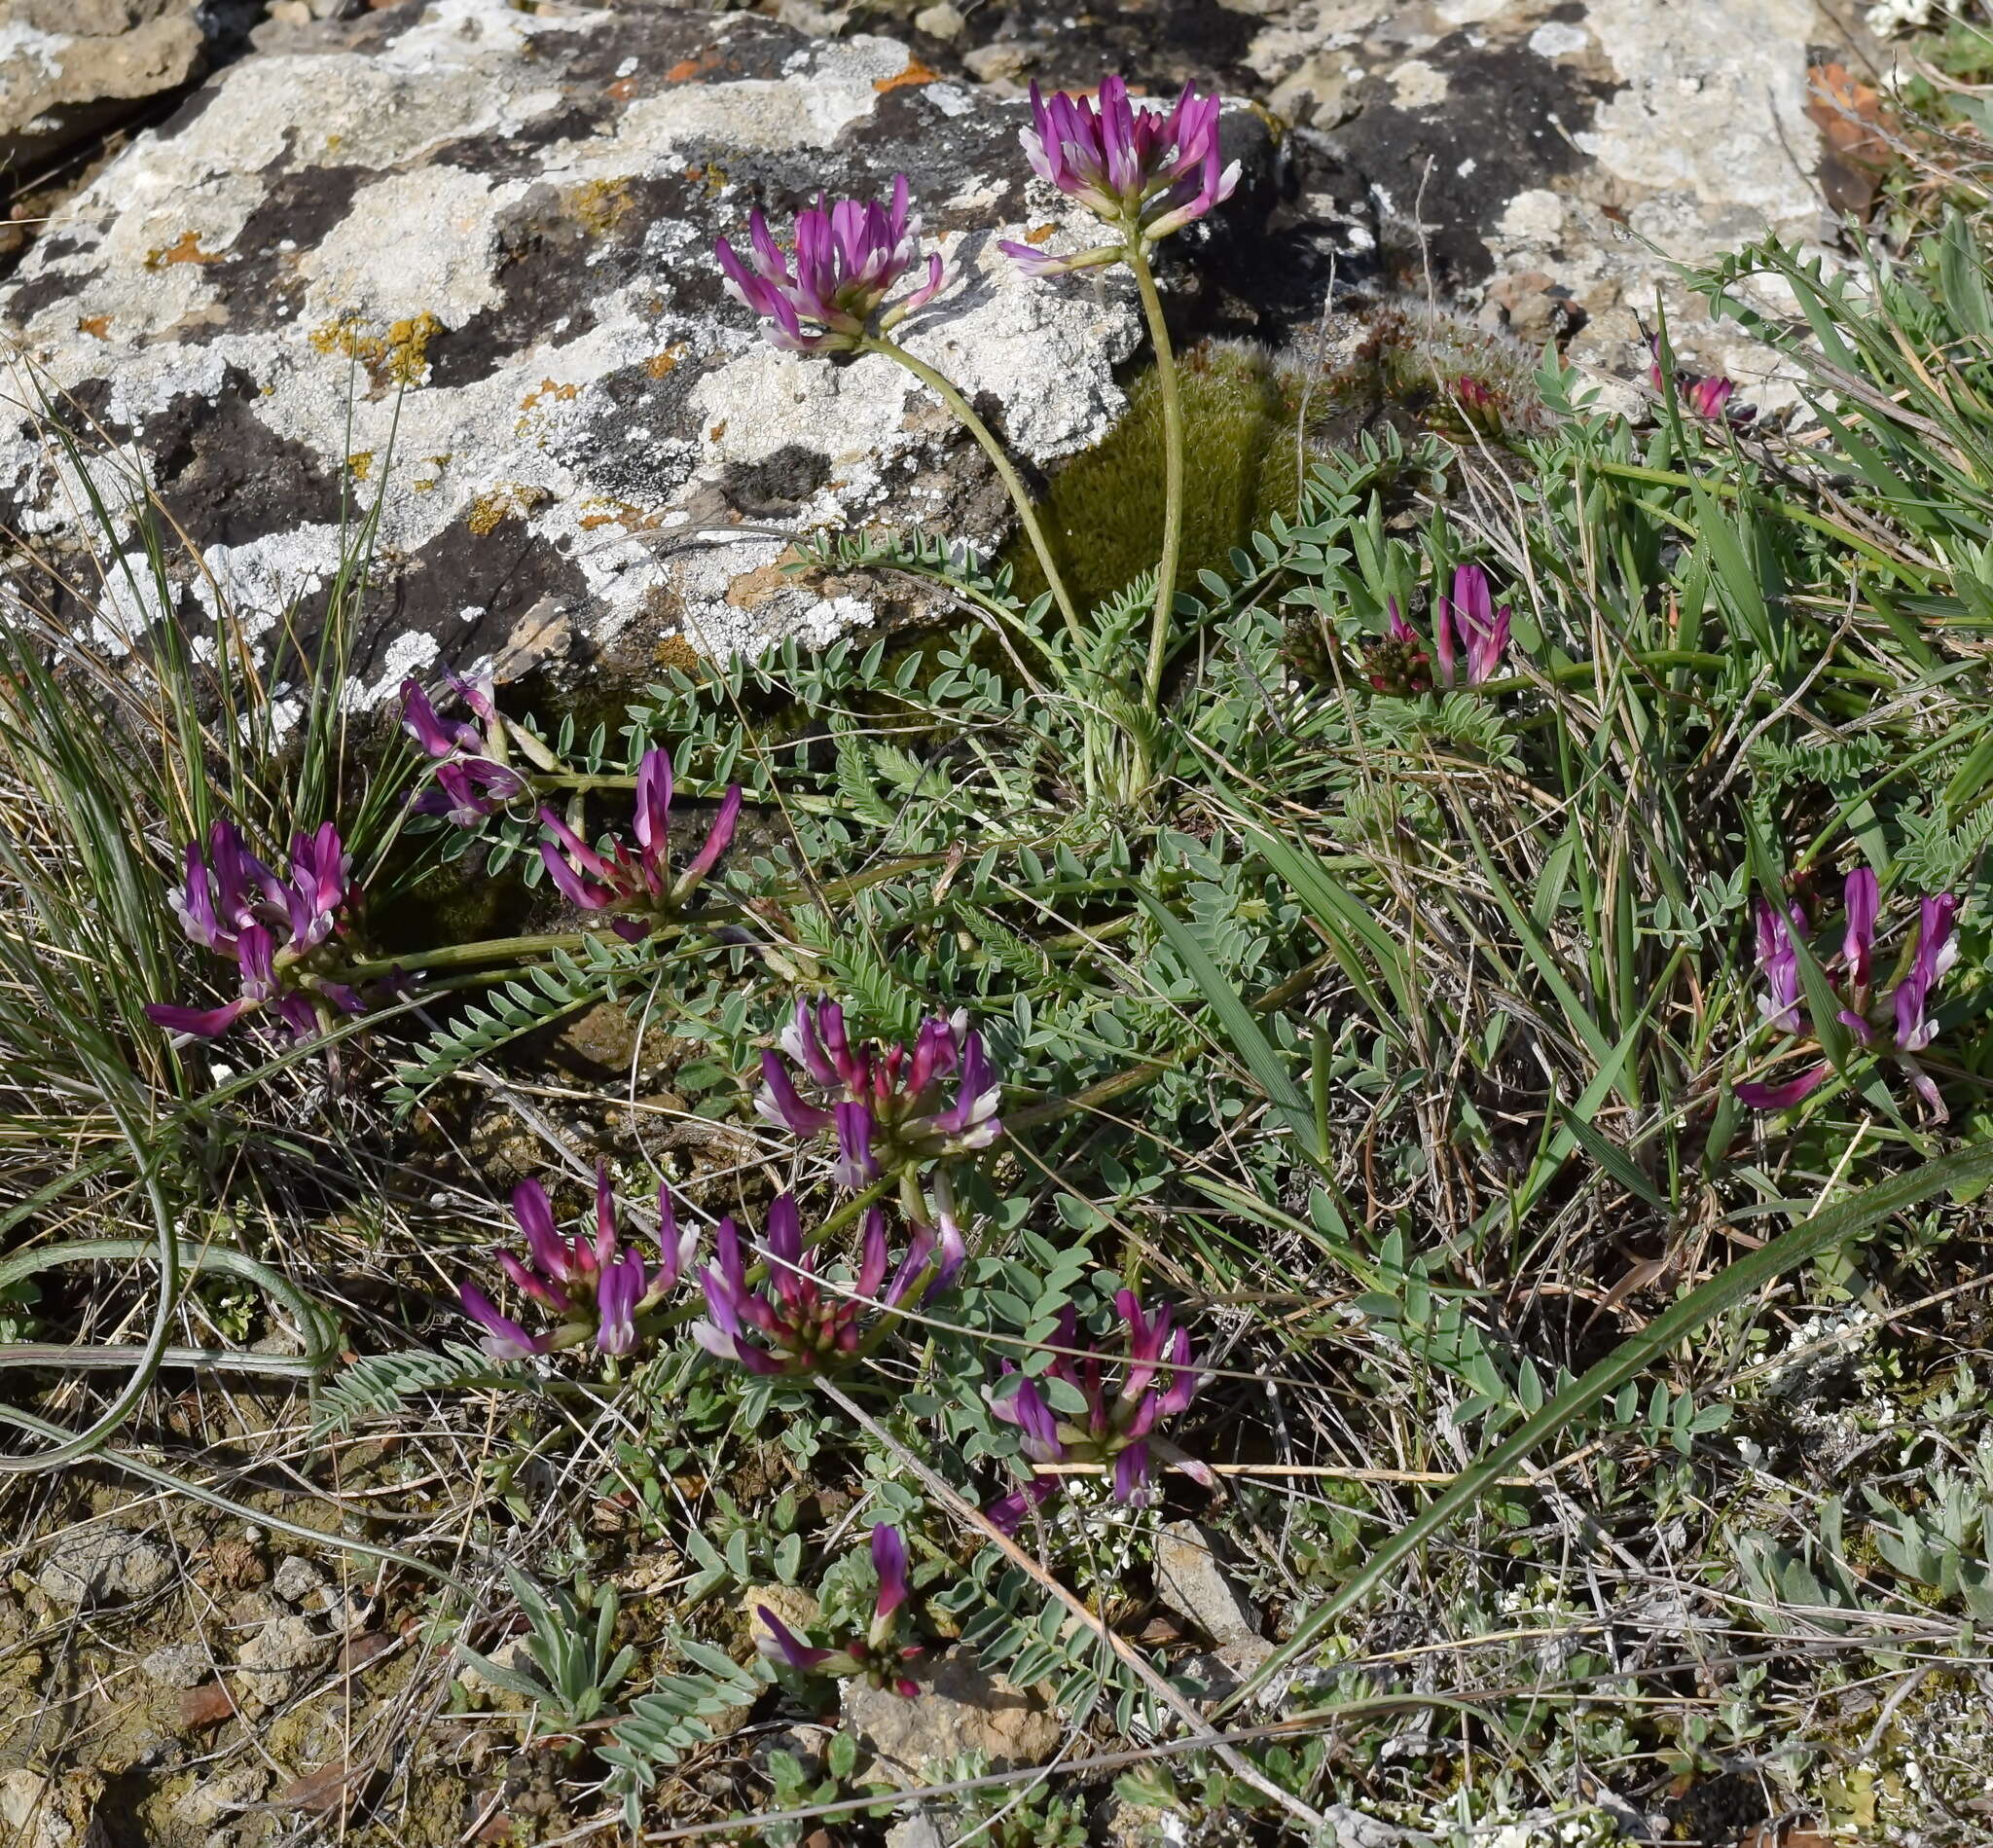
pixel 504 349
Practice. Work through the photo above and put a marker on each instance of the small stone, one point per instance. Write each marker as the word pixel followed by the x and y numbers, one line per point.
pixel 920 1829
pixel 960 1706
pixel 277 1659
pixel 996 63
pixel 222 1795
pixel 942 22
pixel 296 1578
pixel 233 1562
pixel 177 1665
pixel 794 1606
pixel 104 1565
pixel 1191 1580
pixel 48 1812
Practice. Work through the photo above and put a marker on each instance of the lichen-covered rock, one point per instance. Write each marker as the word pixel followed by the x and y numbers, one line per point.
pixel 70 68
pixel 51 1812
pixel 459 254
pixel 960 1706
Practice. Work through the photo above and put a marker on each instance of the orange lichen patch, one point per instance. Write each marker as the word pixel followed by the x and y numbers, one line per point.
pixel 1857 136
pixel 717 431
pixel 186 250
pixel 915 73
pixel 397 357
pixel 548 388
pixel 601 205
pixel 622 89
pixel 658 365
pixel 615 513
pixel 96 326
pixel 687 68
pixel 1038 234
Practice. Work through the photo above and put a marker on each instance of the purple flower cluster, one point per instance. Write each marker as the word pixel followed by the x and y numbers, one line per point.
pixel 1470 637
pixel 273 929
pixel 792 1325
pixel 848 258
pixel 472 777
pixel 595 1287
pixel 1145 172
pixel 869 1657
pixel 1157 1380
pixel 1907 1027
pixel 637 886
pixel 885 1102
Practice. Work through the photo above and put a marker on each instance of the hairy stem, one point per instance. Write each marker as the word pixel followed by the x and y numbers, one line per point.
pixel 1173 470
pixel 963 415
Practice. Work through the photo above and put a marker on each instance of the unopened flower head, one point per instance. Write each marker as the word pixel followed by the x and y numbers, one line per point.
pixel 1123 1393
pixel 277 931
pixel 873 1657
pixel 890 1107
pixel 1898 1030
pixel 635 883
pixel 827 295
pixel 1145 172
pixel 471 776
pixel 594 1283
pixel 1708 397
pixel 792 1324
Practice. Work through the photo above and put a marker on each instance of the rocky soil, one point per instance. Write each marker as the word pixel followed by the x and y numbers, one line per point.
pixel 451 257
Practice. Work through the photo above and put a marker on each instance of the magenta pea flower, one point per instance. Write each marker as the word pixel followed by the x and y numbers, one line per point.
pixel 471 777
pixel 792 1325
pixel 636 886
pixel 1706 397
pixel 276 931
pixel 1145 172
pixel 1470 637
pixel 847 257
pixel 1123 1395
pixel 888 1104
pixel 1906 1028
pixel 870 1658
pixel 595 1286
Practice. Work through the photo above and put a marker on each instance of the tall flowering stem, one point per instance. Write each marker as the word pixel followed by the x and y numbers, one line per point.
pixel 1898 1030
pixel 873 1657
pixel 827 293
pixel 1123 1394
pixel 1145 173
pixel 277 931
pixel 792 1325
pixel 595 1286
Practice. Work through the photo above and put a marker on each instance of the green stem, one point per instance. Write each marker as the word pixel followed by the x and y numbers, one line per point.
pixel 1005 469
pixel 1173 470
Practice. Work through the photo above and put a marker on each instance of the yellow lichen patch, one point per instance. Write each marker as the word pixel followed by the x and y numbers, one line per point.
pixel 507 500
pixel 398 356
pixel 361 463
pixel 674 651
pixel 96 326
pixel 601 205
pixel 658 365
pixel 185 248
